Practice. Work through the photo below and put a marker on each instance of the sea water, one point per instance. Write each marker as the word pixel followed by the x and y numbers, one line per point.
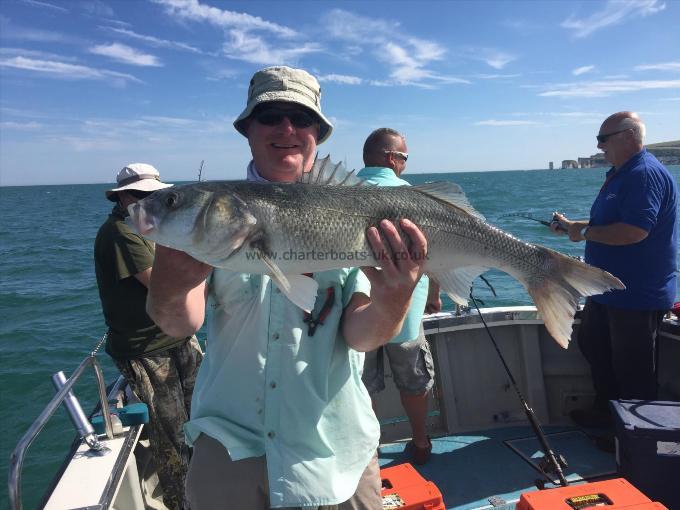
pixel 50 315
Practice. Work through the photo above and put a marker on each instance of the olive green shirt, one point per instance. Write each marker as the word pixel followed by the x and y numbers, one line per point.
pixel 120 254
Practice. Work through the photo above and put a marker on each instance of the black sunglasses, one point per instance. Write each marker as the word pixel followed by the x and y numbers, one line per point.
pixel 272 116
pixel 139 194
pixel 604 138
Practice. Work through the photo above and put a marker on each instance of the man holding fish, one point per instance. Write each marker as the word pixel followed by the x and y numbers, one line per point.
pixel 288 354
pixel 280 417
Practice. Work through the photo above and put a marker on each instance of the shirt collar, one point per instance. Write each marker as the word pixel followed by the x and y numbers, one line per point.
pixel 119 212
pixel 379 171
pixel 253 175
pixel 634 160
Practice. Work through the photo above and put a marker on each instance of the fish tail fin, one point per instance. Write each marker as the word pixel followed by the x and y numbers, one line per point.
pixel 556 297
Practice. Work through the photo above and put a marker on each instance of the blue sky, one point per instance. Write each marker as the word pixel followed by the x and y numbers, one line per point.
pixel 88 86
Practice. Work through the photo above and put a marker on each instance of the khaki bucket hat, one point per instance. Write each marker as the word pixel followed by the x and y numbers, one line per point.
pixel 137 176
pixel 285 84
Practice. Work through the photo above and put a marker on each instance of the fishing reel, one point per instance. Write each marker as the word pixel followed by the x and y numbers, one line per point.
pixel 548 468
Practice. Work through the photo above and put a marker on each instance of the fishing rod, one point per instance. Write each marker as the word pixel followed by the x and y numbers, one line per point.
pixel 555 462
pixel 529 216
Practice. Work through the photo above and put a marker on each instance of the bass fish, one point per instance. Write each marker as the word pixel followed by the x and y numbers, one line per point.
pixel 319 223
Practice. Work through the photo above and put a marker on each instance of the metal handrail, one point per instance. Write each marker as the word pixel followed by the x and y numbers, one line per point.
pixel 17 457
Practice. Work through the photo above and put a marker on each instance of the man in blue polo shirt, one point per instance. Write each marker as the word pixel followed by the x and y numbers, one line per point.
pixel 632 234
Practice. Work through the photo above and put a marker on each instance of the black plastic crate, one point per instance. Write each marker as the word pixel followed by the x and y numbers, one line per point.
pixel 648 447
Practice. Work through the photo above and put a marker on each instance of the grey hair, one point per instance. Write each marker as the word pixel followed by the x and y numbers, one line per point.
pixel 378 141
pixel 638 127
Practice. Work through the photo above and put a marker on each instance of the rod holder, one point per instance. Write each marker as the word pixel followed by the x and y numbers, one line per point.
pixel 75 411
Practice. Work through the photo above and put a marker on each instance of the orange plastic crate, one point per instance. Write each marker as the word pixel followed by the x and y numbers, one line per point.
pixel 610 494
pixel 404 489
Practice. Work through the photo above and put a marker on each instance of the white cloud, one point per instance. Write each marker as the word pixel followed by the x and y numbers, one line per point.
pixel 126 54
pixel 493 122
pixel 43 55
pixel 21 126
pixel 97 9
pixel 496 76
pixel 613 13
pixel 577 115
pixel 340 78
pixel 36 3
pixel 347 26
pixel 582 70
pixel 407 58
pixel 492 57
pixel 665 66
pixel 607 88
pixel 245 34
pixel 168 121
pixel 193 10
pixel 66 70
pixel 252 48
pixel 154 41
pixel 12 31
pixel 498 60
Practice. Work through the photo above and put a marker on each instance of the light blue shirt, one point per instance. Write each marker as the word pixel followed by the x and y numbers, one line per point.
pixel 267 388
pixel 382 176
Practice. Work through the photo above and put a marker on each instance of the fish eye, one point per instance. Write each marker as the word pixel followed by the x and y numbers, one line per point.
pixel 171 199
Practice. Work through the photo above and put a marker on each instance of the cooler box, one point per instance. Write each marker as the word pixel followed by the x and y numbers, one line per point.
pixel 614 494
pixel 648 447
pixel 404 489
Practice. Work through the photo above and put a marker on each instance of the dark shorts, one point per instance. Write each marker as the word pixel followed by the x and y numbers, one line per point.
pixel 411 364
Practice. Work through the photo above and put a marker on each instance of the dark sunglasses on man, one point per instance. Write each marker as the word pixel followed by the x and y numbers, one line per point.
pixel 273 116
pixel 604 138
pixel 139 194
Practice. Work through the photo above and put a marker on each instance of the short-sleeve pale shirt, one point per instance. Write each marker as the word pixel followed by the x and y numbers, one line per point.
pixel 266 387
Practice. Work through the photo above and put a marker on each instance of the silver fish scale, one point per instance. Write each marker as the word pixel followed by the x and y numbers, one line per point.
pixel 323 219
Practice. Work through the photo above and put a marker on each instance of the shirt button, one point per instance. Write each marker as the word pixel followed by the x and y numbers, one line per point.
pixel 271 434
pixel 272 385
pixel 275 336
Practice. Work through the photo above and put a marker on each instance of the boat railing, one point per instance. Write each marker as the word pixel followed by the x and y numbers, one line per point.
pixel 17 457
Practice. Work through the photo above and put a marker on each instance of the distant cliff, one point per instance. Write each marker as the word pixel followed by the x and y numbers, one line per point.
pixel 666 152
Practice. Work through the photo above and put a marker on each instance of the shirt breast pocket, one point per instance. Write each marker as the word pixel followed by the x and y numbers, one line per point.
pixel 229 290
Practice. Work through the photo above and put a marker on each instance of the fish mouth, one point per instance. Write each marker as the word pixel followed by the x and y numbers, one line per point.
pixel 143 223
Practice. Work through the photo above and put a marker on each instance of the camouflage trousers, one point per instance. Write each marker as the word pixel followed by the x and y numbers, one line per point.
pixel 164 381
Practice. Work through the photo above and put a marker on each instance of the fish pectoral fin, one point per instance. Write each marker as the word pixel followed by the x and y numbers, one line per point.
pixel 450 193
pixel 457 282
pixel 301 290
pixel 274 272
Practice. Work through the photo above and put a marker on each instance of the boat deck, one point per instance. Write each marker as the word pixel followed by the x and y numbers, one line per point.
pixel 489 469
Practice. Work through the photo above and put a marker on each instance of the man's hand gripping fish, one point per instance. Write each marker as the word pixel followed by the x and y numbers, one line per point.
pixel 319 223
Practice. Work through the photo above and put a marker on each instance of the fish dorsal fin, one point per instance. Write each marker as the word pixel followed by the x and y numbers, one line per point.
pixel 326 172
pixel 450 193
